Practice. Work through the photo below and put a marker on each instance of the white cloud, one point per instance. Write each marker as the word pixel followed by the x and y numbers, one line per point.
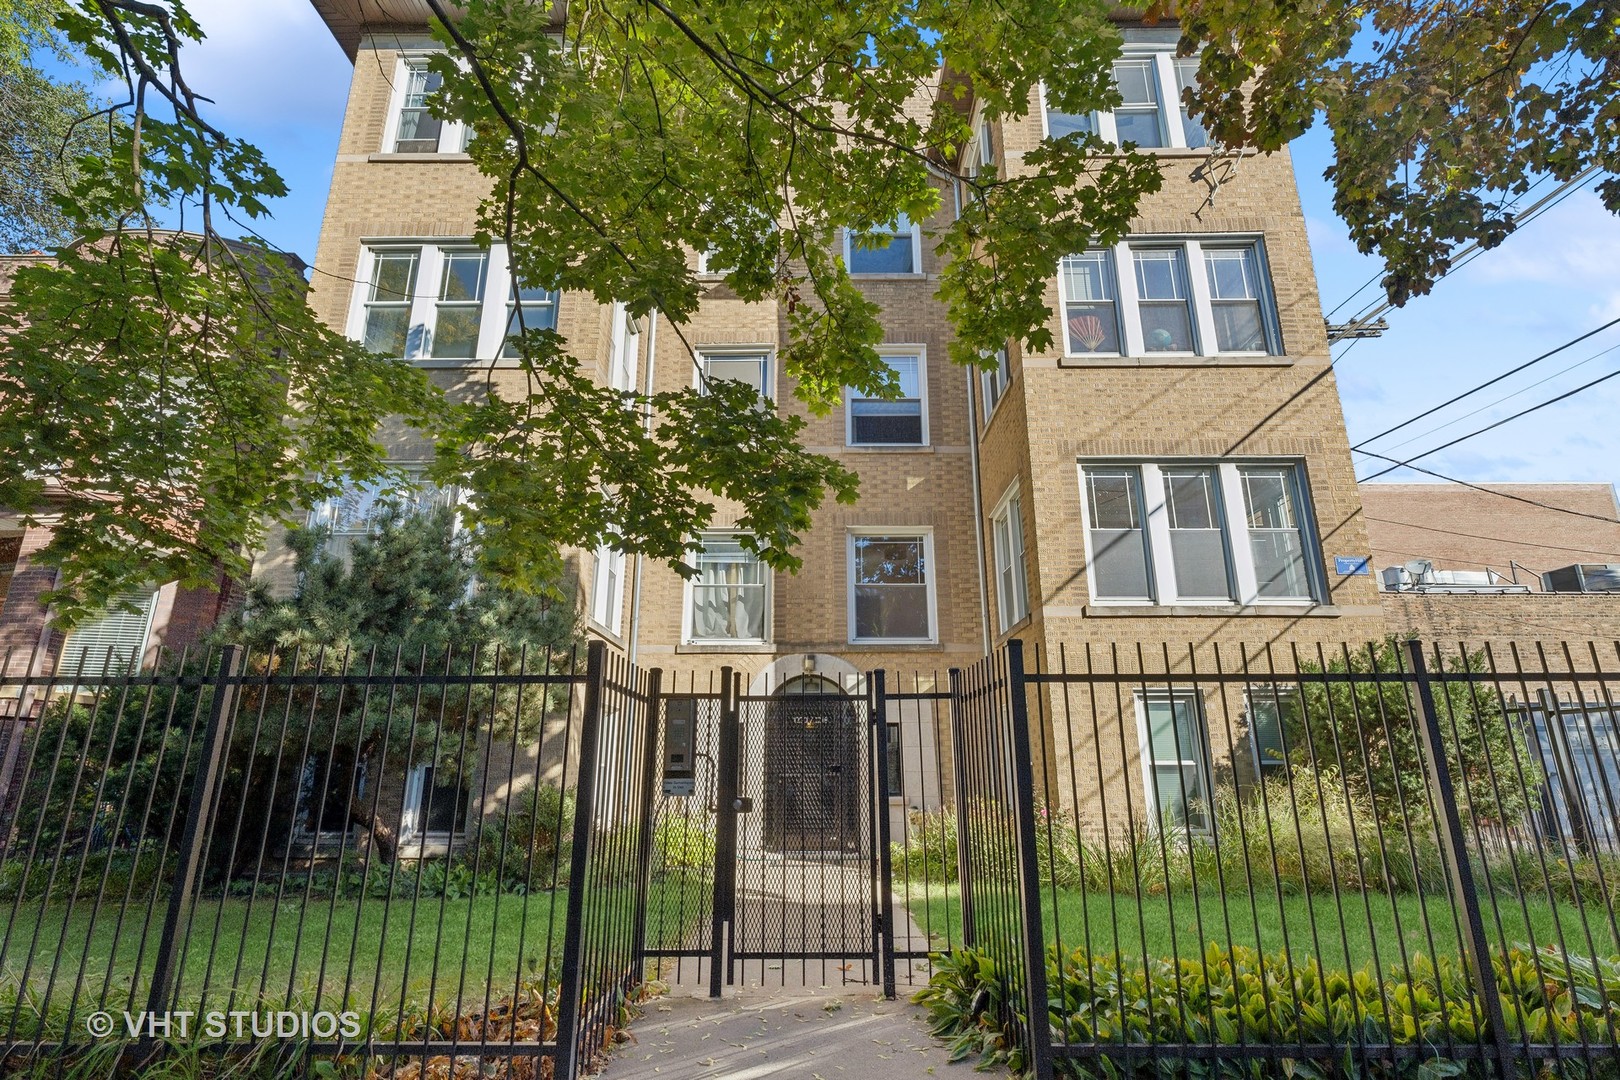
pixel 1572 243
pixel 270 63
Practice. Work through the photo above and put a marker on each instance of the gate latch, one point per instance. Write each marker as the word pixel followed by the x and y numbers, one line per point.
pixel 742 804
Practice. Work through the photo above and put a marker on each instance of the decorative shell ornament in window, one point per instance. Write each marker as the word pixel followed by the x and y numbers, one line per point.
pixel 1087 330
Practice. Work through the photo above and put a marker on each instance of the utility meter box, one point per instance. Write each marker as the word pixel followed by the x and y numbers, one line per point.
pixel 680 745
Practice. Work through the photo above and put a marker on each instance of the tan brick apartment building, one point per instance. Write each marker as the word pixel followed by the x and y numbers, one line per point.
pixel 1175 470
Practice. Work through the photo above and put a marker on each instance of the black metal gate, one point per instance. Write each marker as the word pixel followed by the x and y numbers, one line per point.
pixel 793 787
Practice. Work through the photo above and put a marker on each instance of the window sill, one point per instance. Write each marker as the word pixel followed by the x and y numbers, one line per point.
pixel 725 647
pixel 442 159
pixel 1219 360
pixel 903 644
pixel 856 277
pixel 903 448
pixel 1021 623
pixel 1212 611
pixel 429 363
pixel 602 631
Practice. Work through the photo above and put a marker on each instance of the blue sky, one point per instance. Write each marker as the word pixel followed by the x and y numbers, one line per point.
pixel 281 81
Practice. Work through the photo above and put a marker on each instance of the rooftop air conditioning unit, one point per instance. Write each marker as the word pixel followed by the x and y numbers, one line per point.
pixel 1583 578
pixel 1420 576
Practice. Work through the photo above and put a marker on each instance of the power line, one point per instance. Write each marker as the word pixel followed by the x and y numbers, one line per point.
pixel 1473 250
pixel 1542 179
pixel 1505 397
pixel 1497 539
pixel 1488 427
pixel 1486 383
pixel 1490 491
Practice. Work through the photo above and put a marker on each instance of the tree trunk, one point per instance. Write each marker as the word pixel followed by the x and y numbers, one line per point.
pixel 383 839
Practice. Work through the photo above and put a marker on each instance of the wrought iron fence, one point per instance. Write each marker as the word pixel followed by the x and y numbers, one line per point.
pixel 1355 858
pixel 1259 861
pixel 405 862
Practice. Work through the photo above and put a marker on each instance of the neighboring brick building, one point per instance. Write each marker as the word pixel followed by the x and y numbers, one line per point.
pixel 1497 561
pixel 166 616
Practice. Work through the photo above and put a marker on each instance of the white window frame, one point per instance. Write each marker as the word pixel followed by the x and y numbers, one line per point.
pixel 901 225
pixel 1150 783
pixel 763 353
pixel 1280 694
pixel 1167 88
pixel 1240 563
pixel 930 580
pixel 411 810
pixel 625 350
pixel 413 486
pixel 688 612
pixel 1011 559
pixel 1128 303
pixel 851 395
pixel 422 317
pixel 994 383
pixel 977 154
pixel 452 133
pixel 607 588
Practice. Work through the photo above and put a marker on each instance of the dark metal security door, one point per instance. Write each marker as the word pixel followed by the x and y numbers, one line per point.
pixel 812 776
pixel 805 891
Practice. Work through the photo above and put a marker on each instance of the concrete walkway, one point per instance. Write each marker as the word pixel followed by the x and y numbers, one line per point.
pixel 757 1032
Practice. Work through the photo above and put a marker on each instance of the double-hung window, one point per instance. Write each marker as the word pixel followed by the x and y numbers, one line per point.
pixel 1175 759
pixel 1012 590
pixel 1149 78
pixel 978 155
pixel 356 511
pixel 1198 533
pixel 893 249
pixel 413 129
pixel 901 421
pixel 729 599
pixel 444 303
pixel 750 368
pixel 1190 297
pixel 891 593
pixel 527 309
pixel 1267 708
pixel 435 804
pixel 994 382
pixel 607 588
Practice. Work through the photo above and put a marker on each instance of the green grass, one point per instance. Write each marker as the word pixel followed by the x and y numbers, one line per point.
pixel 348 946
pixel 1373 927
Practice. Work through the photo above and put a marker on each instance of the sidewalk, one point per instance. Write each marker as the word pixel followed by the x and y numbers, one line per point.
pixel 839 1033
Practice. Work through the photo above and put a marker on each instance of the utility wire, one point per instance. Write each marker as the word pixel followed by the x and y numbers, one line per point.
pixel 1473 250
pixel 1505 397
pixel 1492 491
pixel 1486 383
pixel 1363 286
pixel 1488 427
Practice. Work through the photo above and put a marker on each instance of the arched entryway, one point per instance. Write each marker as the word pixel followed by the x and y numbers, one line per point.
pixel 813 780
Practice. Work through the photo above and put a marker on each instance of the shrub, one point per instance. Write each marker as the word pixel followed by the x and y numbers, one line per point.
pixel 928 855
pixel 680 843
pixel 82 877
pixel 527 847
pixel 1240 996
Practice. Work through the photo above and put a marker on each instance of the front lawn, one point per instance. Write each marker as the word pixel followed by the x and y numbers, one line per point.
pixel 373 955
pixel 1371 928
